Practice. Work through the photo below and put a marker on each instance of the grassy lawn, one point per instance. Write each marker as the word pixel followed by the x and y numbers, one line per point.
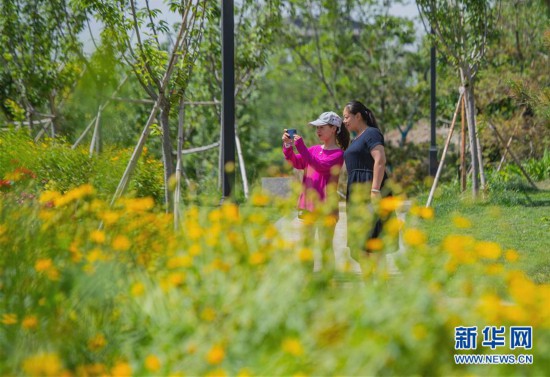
pixel 518 220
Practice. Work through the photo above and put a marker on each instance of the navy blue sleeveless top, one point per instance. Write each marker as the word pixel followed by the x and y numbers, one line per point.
pixel 359 161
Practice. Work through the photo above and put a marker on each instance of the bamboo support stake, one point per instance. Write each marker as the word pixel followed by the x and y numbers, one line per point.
pixel 481 169
pixel 95 135
pixel 42 130
pixel 123 184
pixel 507 146
pixel 442 161
pixel 101 108
pixel 204 148
pixel 512 155
pixel 241 165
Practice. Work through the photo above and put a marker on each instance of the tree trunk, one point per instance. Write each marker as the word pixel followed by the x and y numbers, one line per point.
pixel 167 154
pixel 177 190
pixel 463 148
pixel 468 83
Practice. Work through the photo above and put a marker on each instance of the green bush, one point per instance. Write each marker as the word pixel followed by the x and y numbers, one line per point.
pixel 55 166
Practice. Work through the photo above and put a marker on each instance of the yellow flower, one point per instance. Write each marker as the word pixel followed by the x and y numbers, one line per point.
pixel 511 255
pixel 97 342
pixel 179 261
pixel 139 204
pixel 176 278
pixel 515 314
pixel 194 231
pixel 3 231
pixel 305 254
pixel 461 248
pixel 419 331
pixel 244 373
pixel 259 199
pixel 494 269
pixel 9 319
pixel 522 289
pixel 217 373
pixel 42 265
pixel 44 364
pixel 219 264
pixel 208 314
pixel 30 322
pixel 152 363
pixel 48 196
pixel 74 194
pixel 293 346
pixel 97 236
pixel 137 289
pixel 195 249
pixel 426 213
pixel 375 244
pixel 488 250
pixel 393 226
pixel 490 305
pixel 414 237
pixel 270 232
pixel 309 218
pixel 96 255
pixel 109 217
pixel 121 243
pixel 330 221
pixel 121 369
pixel 230 212
pixel 390 204
pixel 215 215
pixel 96 369
pixel 257 258
pixel 461 222
pixel 215 355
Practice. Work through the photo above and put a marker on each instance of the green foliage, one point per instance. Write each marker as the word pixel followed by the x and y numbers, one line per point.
pixel 462 29
pixel 55 166
pixel 41 56
pixel 355 50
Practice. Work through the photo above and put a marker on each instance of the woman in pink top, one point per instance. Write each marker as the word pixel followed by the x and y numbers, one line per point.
pixel 321 164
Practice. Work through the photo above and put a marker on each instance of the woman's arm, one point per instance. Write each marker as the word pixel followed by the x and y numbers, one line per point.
pixel 379 155
pixel 296 160
pixel 321 165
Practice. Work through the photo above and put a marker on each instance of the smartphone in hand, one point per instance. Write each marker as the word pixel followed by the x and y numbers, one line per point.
pixel 291 132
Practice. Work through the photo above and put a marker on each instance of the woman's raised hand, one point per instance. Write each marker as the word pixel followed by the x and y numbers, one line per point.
pixel 286 137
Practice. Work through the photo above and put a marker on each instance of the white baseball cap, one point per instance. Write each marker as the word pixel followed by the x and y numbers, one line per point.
pixel 329 117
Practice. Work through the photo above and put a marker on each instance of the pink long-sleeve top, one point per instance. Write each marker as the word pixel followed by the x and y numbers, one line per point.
pixel 320 167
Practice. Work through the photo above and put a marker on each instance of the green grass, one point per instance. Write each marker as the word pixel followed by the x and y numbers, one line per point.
pixel 522 224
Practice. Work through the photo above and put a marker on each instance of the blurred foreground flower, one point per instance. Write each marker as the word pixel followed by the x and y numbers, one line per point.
pixel 215 355
pixel 293 346
pixel 44 364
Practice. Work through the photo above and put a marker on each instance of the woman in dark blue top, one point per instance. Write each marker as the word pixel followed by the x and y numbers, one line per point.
pixel 365 161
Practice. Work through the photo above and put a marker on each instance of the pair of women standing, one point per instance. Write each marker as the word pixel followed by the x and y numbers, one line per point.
pixel 365 162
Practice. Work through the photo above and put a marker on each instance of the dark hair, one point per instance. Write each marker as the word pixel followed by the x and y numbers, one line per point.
pixel 343 137
pixel 355 107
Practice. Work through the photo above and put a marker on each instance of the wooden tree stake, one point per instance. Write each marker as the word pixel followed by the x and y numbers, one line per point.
pixel 442 161
pixel 513 155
